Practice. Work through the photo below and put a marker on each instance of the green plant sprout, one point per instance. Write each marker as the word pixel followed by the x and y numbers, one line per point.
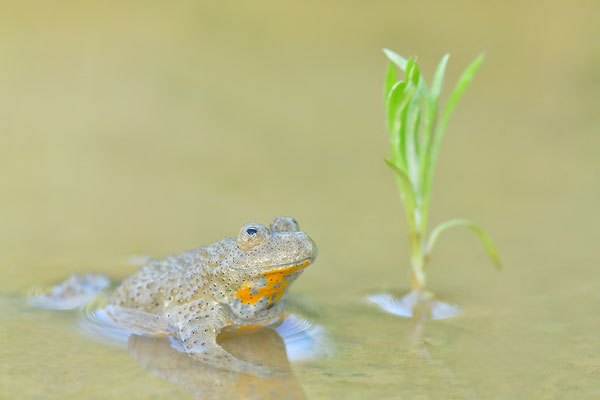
pixel 415 137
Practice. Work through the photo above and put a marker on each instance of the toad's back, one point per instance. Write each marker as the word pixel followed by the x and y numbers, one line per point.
pixel 172 280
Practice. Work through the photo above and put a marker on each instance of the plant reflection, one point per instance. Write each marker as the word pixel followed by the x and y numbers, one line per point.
pixel 429 359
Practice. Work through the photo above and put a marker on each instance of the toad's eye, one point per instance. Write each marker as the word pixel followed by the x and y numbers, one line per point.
pixel 252 235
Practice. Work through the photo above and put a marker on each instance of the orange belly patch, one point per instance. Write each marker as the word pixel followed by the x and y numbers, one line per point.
pixel 277 281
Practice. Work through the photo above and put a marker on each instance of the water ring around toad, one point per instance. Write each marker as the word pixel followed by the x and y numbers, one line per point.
pixel 303 340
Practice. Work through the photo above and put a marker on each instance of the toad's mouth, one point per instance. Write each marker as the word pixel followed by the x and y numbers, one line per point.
pixel 277 267
pixel 305 262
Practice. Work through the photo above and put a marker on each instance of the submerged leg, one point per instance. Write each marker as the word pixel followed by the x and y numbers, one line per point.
pixel 200 342
pixel 137 321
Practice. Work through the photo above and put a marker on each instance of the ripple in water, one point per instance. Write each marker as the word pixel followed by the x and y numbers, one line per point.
pixel 98 323
pixel 303 340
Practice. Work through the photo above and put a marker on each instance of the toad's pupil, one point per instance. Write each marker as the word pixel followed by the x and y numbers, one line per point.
pixel 251 231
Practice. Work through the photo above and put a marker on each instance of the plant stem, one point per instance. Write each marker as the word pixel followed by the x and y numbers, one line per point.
pixel 415 214
pixel 417 255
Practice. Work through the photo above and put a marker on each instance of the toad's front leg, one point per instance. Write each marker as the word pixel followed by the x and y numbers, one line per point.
pixel 198 332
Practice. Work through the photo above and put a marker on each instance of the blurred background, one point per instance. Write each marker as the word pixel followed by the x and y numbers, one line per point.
pixel 150 128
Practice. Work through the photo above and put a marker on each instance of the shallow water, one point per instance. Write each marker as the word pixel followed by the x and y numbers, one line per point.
pixel 150 129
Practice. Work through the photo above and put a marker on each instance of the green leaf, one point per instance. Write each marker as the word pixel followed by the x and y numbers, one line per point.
pixel 429 124
pixel 431 106
pixel 459 89
pixel 399 96
pixel 407 187
pixel 408 120
pixel 395 99
pixel 438 78
pixel 485 238
pixel 390 79
pixel 411 141
pixel 397 105
pixel 396 59
pixel 408 196
pixel 409 68
pixel 432 151
pixel 412 72
pixel 403 64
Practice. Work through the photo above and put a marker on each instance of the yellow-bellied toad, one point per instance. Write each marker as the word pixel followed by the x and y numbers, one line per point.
pixel 235 281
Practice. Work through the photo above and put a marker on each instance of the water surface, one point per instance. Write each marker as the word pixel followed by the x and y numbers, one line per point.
pixel 149 129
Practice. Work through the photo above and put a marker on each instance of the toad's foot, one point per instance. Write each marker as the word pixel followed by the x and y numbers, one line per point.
pixel 77 291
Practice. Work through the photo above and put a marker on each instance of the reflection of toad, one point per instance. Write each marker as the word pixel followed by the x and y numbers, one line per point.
pixel 258 346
